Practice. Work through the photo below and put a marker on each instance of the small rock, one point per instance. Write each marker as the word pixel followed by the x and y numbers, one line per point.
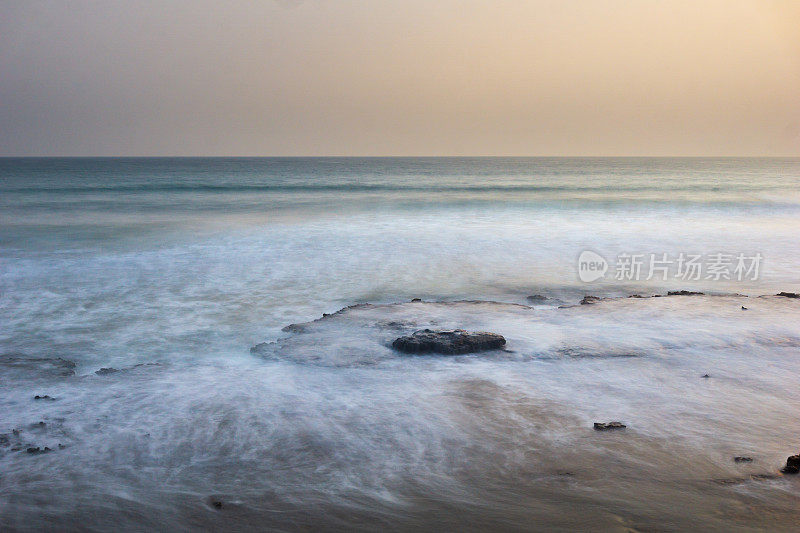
pixel 744 308
pixel 706 376
pixel 106 371
pixel 792 465
pixel 448 342
pixel 789 294
pixel 742 459
pixel 605 426
pixel 590 300
pixel 45 397
pixel 416 299
pixel 684 293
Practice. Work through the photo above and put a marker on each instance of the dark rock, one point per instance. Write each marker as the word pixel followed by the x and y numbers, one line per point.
pixel 416 299
pixel 789 294
pixel 537 298
pixel 606 426
pixel 742 459
pixel 705 376
pixel 684 293
pixel 35 450
pixel 449 342
pixel 294 328
pixel 45 397
pixel 106 371
pixel 215 502
pixel 587 300
pixel 744 308
pixel 792 465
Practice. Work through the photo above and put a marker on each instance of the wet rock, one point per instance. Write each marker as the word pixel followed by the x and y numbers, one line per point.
pixel 106 371
pixel 606 426
pixel 792 465
pixel 448 342
pixel 706 376
pixel 537 298
pixel 416 299
pixel 744 308
pixel 742 459
pixel 684 293
pixel 789 294
pixel 588 300
pixel 44 397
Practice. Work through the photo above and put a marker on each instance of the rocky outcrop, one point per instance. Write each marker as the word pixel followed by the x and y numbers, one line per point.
pixel 788 294
pixel 685 293
pixel 448 342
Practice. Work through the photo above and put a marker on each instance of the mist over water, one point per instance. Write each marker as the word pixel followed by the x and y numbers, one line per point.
pixel 170 270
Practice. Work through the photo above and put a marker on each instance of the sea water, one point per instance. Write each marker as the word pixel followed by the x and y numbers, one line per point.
pixel 168 270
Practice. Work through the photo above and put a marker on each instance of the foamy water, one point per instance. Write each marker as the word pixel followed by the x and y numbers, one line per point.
pixel 171 270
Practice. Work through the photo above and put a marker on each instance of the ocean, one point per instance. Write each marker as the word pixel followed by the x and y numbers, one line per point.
pixel 165 272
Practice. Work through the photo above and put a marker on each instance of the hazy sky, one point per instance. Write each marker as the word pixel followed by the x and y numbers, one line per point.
pixel 400 77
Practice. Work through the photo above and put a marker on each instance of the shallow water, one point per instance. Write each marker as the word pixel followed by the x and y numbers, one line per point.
pixel 180 266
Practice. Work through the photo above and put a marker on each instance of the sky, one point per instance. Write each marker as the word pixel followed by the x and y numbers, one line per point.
pixel 400 77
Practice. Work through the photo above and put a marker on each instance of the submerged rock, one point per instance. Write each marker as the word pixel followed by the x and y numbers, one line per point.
pixel 38 366
pixel 448 342
pixel 792 465
pixel 537 298
pixel 606 426
pixel 588 299
pixel 44 397
pixel 106 371
pixel 742 459
pixel 788 294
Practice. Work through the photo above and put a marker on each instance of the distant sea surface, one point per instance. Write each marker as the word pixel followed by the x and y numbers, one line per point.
pixel 180 265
